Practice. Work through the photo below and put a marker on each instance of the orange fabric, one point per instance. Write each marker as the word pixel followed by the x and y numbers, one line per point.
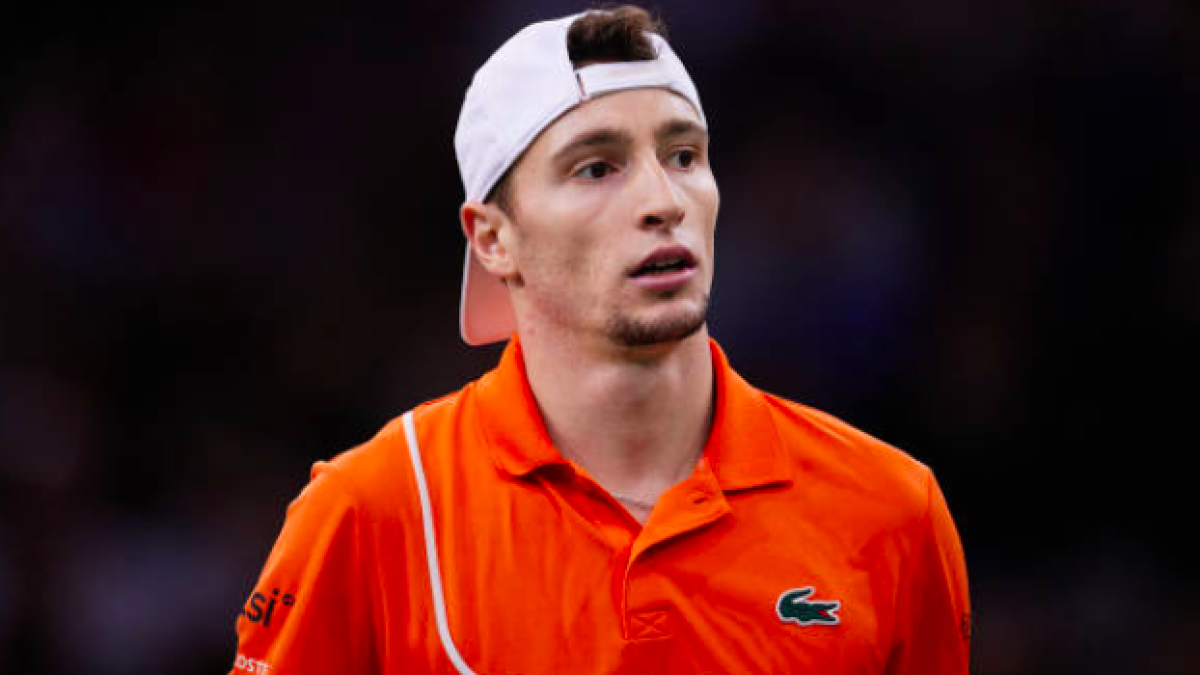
pixel 544 572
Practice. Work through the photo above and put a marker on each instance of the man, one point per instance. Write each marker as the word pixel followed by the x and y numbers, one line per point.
pixel 613 498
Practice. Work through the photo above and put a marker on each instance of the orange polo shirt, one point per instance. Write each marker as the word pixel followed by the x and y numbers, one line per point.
pixel 798 545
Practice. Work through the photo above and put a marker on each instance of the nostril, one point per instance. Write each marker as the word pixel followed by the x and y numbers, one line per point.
pixel 661 218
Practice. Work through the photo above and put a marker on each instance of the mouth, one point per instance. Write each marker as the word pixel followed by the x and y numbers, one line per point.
pixel 665 261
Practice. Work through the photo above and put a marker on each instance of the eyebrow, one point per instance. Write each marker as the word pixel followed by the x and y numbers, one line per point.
pixel 608 136
pixel 679 127
pixel 592 139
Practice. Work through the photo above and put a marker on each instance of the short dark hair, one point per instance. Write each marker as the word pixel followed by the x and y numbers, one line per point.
pixel 614 34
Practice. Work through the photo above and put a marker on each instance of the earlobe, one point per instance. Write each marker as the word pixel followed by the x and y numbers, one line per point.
pixel 482 225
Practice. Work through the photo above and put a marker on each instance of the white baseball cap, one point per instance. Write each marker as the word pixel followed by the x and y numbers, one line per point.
pixel 524 87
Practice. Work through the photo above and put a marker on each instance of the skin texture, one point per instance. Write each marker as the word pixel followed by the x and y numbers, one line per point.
pixel 621 371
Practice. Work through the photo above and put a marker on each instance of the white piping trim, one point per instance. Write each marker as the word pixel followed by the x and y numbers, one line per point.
pixel 431 554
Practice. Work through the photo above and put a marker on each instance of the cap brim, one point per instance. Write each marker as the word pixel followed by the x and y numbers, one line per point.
pixel 485 314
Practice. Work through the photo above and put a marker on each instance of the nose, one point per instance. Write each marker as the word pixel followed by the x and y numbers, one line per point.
pixel 660 200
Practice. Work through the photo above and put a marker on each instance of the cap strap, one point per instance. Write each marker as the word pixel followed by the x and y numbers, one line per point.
pixel 602 78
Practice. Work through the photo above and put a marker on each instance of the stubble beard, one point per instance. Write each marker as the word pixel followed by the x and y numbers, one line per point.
pixel 629 331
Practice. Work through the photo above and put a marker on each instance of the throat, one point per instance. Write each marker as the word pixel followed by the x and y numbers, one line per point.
pixel 636 427
pixel 638 507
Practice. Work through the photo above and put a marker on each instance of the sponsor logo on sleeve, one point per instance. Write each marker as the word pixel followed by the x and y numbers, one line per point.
pixel 261 608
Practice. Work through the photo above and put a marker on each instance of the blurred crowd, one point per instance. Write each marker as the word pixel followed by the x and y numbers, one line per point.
pixel 229 248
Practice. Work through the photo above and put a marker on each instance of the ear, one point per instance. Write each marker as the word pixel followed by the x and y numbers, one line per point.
pixel 489 232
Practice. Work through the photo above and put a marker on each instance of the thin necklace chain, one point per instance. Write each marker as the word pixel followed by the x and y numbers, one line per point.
pixel 633 501
pixel 640 502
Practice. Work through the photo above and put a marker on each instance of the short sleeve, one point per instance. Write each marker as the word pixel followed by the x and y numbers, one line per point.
pixel 310 611
pixel 933 623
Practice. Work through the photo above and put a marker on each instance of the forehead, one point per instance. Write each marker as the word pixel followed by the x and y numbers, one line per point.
pixel 638 112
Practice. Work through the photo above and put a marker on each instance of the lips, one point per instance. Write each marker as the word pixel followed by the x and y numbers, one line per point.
pixel 665 261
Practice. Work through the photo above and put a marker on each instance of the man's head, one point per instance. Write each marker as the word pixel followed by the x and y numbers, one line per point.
pixel 620 35
pixel 595 203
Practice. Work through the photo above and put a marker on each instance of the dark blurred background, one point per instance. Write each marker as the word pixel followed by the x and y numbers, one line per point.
pixel 229 247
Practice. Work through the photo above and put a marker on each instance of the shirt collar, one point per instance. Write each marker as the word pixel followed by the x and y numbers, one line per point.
pixel 743 449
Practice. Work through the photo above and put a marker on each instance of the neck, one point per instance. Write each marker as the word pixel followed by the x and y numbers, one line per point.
pixel 636 419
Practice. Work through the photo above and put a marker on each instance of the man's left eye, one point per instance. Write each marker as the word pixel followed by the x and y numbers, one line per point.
pixel 682 159
pixel 594 171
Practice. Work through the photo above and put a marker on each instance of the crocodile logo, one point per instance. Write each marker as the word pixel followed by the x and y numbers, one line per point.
pixel 794 605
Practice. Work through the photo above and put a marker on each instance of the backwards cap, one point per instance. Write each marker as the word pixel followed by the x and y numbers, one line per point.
pixel 527 84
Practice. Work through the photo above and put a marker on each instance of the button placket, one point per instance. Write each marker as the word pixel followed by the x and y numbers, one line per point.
pixel 684 508
pixel 647 615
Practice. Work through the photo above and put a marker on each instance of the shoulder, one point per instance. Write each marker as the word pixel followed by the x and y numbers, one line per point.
pixel 376 477
pixel 830 452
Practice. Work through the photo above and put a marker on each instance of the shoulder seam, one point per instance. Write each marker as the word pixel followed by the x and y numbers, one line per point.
pixel 345 484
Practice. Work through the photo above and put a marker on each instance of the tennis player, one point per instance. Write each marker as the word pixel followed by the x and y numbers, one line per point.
pixel 612 497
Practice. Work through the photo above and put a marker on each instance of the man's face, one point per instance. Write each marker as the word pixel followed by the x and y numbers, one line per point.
pixel 614 210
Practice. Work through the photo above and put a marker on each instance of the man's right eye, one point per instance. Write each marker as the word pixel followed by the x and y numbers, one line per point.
pixel 594 171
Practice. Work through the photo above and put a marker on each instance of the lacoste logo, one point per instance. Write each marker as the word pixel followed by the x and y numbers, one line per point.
pixel 795 606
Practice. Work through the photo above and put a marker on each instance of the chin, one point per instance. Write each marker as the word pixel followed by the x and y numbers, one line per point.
pixel 666 327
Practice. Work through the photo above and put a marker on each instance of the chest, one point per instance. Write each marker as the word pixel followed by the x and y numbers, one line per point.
pixel 538 583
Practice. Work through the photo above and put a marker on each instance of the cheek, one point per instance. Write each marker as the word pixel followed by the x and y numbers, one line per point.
pixel 708 196
pixel 557 255
pixel 707 201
